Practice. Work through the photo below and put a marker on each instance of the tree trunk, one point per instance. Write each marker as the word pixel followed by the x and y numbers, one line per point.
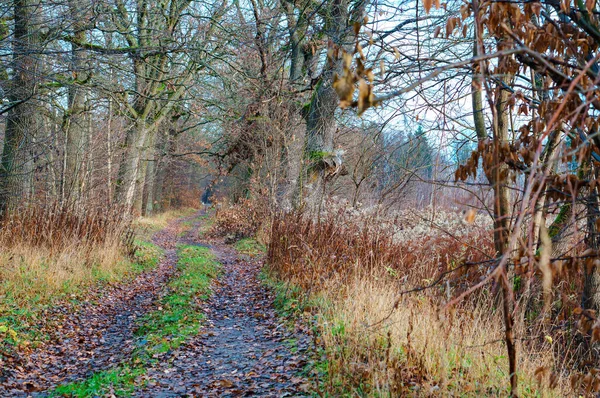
pixel 138 200
pixel 498 178
pixel 164 152
pixel 150 178
pixel 320 119
pixel 75 123
pixel 23 121
pixel 129 167
pixel 296 32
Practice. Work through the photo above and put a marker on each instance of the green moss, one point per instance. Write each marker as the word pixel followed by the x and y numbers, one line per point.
pixel 560 220
pixel 306 108
pixel 317 156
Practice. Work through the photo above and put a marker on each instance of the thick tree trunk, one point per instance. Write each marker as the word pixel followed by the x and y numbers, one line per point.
pixel 591 274
pixel 320 120
pixel 138 200
pixel 23 121
pixel 129 168
pixel 163 153
pixel 150 177
pixel 75 123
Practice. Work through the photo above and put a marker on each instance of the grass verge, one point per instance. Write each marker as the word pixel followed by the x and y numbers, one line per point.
pixel 371 342
pixel 35 278
pixel 25 297
pixel 178 317
pixel 414 352
pixel 250 247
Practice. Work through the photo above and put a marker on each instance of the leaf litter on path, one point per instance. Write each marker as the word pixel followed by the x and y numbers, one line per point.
pixel 243 349
pixel 94 335
pixel 240 351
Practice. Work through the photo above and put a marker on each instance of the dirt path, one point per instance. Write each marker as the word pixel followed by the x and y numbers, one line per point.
pixel 95 336
pixel 243 351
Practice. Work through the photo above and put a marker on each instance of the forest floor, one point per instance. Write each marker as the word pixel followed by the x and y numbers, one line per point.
pixel 200 323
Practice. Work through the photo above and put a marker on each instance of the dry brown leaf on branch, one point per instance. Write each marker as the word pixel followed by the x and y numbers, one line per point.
pixel 465 11
pixel 344 87
pixel 360 51
pixel 365 96
pixel 450 25
pixel 470 216
pixel 590 5
pixel 427 5
pixel 344 84
pixel 360 67
pixel 347 60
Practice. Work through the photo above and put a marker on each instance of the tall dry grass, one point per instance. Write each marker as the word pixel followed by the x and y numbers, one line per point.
pixel 52 249
pixel 377 342
pixel 416 349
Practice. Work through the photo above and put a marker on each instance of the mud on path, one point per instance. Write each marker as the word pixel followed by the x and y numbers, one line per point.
pixel 97 334
pixel 243 349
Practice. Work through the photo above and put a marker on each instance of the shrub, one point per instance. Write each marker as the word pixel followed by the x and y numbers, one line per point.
pixel 310 251
pixel 241 220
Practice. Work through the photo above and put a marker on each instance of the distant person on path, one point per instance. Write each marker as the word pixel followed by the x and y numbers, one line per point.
pixel 206 196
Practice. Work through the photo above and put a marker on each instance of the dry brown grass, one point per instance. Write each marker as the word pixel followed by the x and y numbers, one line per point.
pixel 377 343
pixel 145 227
pixel 49 250
pixel 416 350
pixel 39 272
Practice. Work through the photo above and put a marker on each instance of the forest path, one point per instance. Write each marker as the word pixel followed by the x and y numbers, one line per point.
pixel 96 334
pixel 243 350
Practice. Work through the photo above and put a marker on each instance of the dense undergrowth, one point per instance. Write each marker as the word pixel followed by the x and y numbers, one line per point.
pixel 51 256
pixel 348 276
pixel 242 220
pixel 177 318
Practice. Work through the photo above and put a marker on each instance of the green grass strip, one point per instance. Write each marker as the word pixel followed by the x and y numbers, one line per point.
pixel 178 317
pixel 250 247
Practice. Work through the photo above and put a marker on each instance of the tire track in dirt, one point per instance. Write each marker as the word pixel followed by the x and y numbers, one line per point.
pixel 241 351
pixel 98 334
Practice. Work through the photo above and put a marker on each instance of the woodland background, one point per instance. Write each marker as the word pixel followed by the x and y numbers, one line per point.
pixel 424 174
